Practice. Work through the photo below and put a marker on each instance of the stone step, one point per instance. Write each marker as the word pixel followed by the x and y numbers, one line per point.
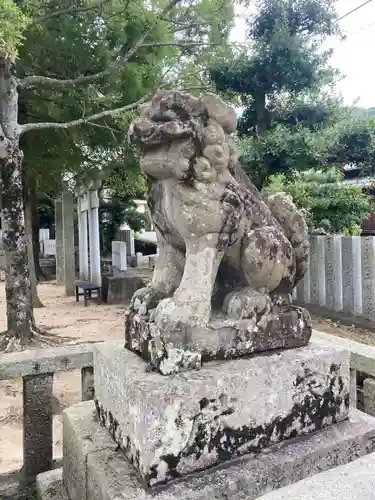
pixel 95 470
pixel 354 481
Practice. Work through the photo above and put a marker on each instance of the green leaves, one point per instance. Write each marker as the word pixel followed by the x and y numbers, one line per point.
pixel 330 204
pixel 13 23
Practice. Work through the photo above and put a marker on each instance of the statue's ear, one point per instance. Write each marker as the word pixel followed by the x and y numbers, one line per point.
pixel 217 109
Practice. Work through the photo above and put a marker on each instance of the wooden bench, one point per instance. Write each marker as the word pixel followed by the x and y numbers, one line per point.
pixel 88 289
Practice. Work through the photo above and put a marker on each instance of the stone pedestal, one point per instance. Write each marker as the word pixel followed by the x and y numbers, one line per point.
pixel 94 469
pixel 223 338
pixel 171 426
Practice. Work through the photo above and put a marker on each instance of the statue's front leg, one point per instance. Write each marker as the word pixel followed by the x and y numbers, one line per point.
pixel 166 278
pixel 190 305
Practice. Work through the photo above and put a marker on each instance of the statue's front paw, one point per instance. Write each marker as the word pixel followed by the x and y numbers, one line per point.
pixel 171 317
pixel 145 299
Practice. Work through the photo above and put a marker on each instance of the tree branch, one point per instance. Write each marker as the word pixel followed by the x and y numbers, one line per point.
pixel 55 83
pixel 69 10
pixel 81 121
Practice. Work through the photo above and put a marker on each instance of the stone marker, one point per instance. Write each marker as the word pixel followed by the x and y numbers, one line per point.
pixel 351 275
pixel 368 277
pixel 119 259
pixel 317 270
pixel 68 243
pixel 59 242
pixel 303 286
pixel 333 257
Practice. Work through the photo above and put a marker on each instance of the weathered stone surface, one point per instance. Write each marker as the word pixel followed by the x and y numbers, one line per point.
pixel 333 258
pixel 317 270
pixel 222 248
pixel 120 289
pixel 369 396
pixel 170 426
pixel 49 486
pixel 38 361
pixel 110 476
pixel 354 481
pixel 223 338
pixel 37 425
pixel 352 275
pixel 368 277
pixel 81 436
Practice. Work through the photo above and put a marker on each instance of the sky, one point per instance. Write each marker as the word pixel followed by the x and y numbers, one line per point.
pixel 354 57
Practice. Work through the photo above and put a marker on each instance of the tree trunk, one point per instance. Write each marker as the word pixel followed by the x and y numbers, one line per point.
pixel 30 253
pixel 262 127
pixel 35 228
pixel 20 317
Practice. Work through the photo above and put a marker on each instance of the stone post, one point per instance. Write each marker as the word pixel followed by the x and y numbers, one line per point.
pixel 368 277
pixel 69 250
pixel 87 383
pixel 303 287
pixel 333 273
pixel 317 270
pixel 93 206
pixel 37 425
pixel 83 238
pixel 351 275
pixel 369 396
pixel 59 242
pixel 127 235
pixel 119 260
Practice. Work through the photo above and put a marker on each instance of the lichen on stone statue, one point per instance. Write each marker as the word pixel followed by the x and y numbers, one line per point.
pixel 228 260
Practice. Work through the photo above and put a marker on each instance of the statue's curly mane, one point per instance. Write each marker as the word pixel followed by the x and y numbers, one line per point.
pixel 202 125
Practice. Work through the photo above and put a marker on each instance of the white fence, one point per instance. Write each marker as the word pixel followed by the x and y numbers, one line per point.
pixel 341 275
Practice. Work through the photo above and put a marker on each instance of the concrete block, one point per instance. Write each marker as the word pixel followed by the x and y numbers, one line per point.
pixel 354 481
pixel 171 426
pixel 369 396
pixel 111 477
pixel 81 436
pixel 49 486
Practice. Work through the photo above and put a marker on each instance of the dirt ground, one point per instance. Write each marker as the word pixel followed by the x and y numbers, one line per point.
pixel 64 317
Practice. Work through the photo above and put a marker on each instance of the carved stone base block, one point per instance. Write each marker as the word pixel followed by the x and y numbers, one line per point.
pixel 171 426
pixel 224 338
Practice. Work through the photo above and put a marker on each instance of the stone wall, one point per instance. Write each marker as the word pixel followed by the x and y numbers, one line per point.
pixel 341 275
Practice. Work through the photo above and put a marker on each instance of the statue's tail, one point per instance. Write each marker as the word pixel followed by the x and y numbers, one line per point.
pixel 293 223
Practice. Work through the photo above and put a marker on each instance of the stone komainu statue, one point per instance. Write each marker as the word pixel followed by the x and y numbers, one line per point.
pixel 228 260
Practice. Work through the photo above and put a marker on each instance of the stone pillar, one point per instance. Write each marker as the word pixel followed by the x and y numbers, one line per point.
pixel 351 275
pixel 303 287
pixel 95 270
pixel 37 425
pixel 69 249
pixel 353 389
pixel 59 242
pixel 368 277
pixel 119 260
pixel 127 235
pixel 87 383
pixel 317 270
pixel 369 396
pixel 333 273
pixel 83 238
